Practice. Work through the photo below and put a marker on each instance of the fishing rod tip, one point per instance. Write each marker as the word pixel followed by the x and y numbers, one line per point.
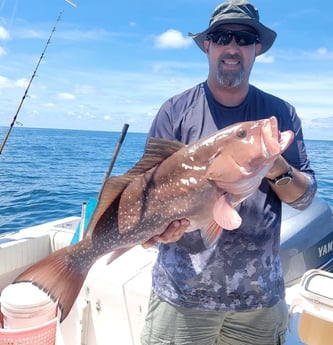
pixel 72 3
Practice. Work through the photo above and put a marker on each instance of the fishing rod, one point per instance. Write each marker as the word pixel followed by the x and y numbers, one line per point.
pixel 72 3
pixel 82 227
pixel 29 84
pixel 114 157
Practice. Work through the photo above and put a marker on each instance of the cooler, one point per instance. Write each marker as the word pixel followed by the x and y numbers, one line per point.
pixel 311 312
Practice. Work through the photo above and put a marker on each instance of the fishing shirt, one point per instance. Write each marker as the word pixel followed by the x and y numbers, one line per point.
pixel 242 270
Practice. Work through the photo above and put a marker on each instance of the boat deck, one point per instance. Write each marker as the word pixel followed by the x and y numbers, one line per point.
pixel 113 301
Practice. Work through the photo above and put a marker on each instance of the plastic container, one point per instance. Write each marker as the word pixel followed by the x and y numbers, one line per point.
pixel 24 305
pixel 311 312
pixel 44 334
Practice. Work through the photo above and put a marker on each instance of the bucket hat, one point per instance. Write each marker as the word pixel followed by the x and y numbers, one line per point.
pixel 237 12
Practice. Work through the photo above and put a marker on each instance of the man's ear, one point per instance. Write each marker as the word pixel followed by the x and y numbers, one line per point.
pixel 206 45
pixel 258 48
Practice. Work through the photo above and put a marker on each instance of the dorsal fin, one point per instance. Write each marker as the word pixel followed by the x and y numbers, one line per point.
pixel 156 151
pixel 112 188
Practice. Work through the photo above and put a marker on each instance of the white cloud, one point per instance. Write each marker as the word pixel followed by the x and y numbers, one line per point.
pixel 83 35
pixel 85 89
pixel 265 59
pixel 50 105
pixel 23 82
pixel 4 81
pixel 322 51
pixel 66 95
pixel 7 83
pixel 172 39
pixel 30 33
pixel 2 51
pixel 4 34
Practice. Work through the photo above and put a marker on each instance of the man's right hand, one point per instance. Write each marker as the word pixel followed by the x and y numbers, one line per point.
pixel 172 233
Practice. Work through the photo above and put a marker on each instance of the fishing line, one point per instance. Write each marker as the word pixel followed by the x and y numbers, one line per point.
pixel 29 84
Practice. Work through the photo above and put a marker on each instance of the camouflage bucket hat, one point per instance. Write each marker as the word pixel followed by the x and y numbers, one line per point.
pixel 237 12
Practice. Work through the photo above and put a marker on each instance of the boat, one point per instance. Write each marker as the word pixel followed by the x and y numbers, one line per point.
pixel 112 304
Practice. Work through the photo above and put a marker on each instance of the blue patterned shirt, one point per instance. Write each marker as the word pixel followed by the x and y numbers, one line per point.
pixel 242 270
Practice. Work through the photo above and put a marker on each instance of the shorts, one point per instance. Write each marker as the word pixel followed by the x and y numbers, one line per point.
pixel 167 324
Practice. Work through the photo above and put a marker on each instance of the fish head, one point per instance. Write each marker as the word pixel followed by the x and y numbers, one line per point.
pixel 243 154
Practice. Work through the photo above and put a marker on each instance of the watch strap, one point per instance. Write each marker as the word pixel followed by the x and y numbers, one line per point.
pixel 284 178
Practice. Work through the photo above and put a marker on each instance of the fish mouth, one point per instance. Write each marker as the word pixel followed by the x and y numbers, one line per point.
pixel 270 141
pixel 270 137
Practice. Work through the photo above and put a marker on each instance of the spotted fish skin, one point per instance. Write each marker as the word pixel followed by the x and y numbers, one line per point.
pixel 202 182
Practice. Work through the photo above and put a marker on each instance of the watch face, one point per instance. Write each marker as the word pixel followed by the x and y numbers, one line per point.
pixel 283 181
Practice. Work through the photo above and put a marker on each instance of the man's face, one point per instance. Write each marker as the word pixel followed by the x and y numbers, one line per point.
pixel 230 64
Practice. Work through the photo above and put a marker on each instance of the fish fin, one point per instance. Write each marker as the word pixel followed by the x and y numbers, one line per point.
pixel 112 188
pixel 60 276
pixel 116 253
pixel 225 214
pixel 156 151
pixel 211 234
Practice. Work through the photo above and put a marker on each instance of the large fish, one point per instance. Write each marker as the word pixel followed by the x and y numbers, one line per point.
pixel 202 182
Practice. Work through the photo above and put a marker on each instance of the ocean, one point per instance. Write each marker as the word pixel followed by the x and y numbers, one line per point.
pixel 46 174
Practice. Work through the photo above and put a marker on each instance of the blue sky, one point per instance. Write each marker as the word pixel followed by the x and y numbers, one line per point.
pixel 111 62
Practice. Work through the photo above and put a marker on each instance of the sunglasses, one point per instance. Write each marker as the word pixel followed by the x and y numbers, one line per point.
pixel 242 38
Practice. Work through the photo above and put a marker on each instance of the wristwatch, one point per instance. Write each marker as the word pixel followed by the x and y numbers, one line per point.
pixel 283 179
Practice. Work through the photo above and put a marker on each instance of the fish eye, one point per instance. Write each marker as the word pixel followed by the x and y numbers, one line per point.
pixel 241 133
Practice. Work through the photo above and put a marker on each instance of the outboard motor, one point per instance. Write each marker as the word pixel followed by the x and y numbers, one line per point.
pixel 306 240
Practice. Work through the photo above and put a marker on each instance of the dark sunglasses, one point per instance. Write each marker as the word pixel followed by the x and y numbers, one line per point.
pixel 242 37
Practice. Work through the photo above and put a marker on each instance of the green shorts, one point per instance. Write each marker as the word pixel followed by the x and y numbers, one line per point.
pixel 167 324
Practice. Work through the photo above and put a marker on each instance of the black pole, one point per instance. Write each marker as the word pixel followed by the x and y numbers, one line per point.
pixel 114 157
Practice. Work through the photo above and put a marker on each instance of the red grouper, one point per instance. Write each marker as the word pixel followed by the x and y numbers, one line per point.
pixel 202 182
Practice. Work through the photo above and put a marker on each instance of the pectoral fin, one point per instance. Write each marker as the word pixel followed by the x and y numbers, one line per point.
pixel 225 214
pixel 211 234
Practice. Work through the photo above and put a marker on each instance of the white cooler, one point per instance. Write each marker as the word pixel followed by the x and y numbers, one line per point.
pixel 311 310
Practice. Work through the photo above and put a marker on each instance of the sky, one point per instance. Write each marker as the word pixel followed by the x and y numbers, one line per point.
pixel 113 62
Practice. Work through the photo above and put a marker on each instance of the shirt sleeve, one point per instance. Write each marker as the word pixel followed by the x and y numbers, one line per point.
pixel 305 200
pixel 162 126
pixel 297 156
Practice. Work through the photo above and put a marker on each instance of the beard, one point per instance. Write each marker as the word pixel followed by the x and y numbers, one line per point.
pixel 229 78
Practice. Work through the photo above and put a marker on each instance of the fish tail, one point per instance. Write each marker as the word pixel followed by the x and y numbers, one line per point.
pixel 60 275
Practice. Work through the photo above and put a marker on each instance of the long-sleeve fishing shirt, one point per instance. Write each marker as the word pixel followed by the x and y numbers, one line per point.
pixel 242 270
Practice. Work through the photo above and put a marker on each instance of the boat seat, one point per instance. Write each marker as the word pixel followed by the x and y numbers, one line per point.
pixel 314 308
pixel 17 254
pixel 21 249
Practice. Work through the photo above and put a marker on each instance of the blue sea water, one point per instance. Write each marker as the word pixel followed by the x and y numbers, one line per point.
pixel 46 174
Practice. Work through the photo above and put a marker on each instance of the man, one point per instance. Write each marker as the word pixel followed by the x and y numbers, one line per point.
pixel 232 293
